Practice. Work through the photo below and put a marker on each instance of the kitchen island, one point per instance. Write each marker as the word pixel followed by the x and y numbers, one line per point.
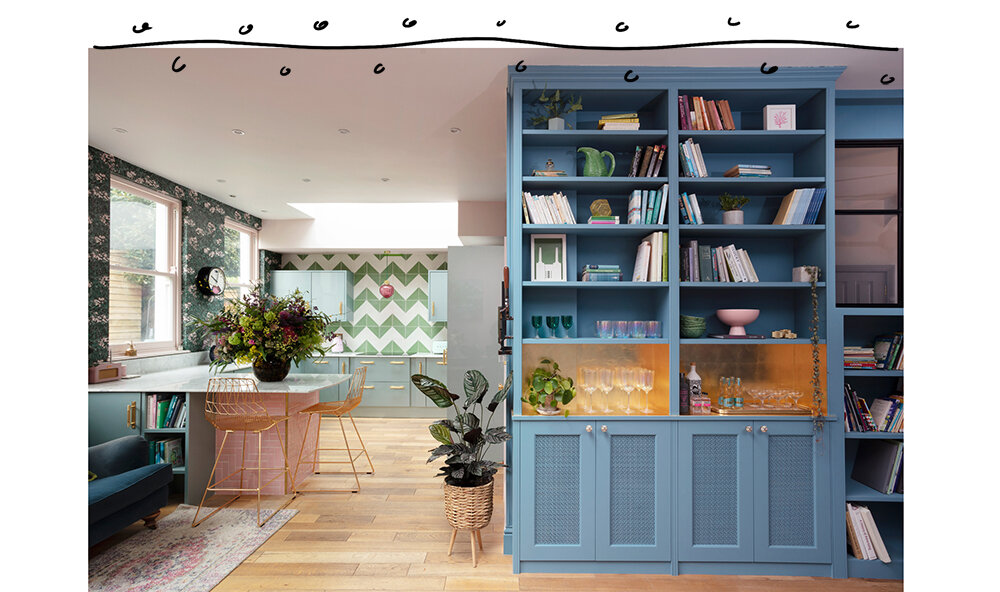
pixel 110 402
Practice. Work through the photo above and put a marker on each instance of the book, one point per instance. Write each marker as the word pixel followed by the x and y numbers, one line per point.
pixel 602 220
pixel 705 263
pixel 643 209
pixel 664 266
pixel 162 404
pixel 867 549
pixel 620 116
pixel 173 452
pixel 733 261
pixel 664 193
pixel 697 209
pixel 815 206
pixel 633 168
pixel 685 395
pixel 876 539
pixel 659 161
pixel 618 125
pixel 748 265
pixel 713 115
pixel 685 264
pixel 646 155
pixel 881 350
pixel 652 161
pixel 799 215
pixel 686 217
pixel 876 463
pixel 727 115
pixel 853 542
pixel 786 204
pixel 693 261
pixel 699 160
pixel 748 170
pixel 728 336
pixel 641 262
pixel 684 109
pixel 634 207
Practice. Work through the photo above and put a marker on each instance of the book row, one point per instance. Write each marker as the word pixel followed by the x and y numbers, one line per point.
pixel 648 206
pixel 863 536
pixel 167 451
pixel 692 162
pixel 800 206
pixel 690 210
pixel 647 162
pixel 698 114
pixel 166 411
pixel 601 273
pixel 651 259
pixel 879 465
pixel 619 121
pixel 704 263
pixel 885 354
pixel 883 415
pixel 547 209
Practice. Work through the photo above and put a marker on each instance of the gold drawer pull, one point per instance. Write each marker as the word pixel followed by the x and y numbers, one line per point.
pixel 367 361
pixel 397 388
pixel 369 386
pixel 396 362
pixel 130 415
pixel 341 308
pixel 432 309
pixel 343 367
pixel 442 363
pixel 321 361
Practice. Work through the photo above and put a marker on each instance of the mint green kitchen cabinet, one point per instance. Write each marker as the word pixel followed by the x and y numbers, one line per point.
pixel 331 291
pixel 435 368
pixel 112 415
pixel 437 296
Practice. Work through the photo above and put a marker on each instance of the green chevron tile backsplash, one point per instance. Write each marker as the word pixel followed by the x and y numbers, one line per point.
pixel 390 326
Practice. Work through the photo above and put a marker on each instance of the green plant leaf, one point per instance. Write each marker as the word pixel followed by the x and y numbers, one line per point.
pixel 496 435
pixel 434 390
pixel 469 420
pixel 549 386
pixel 475 387
pixel 440 433
pixel 473 436
pixel 448 424
pixel 501 394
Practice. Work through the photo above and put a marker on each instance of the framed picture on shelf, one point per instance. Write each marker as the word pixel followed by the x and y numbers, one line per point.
pixel 779 117
pixel 548 257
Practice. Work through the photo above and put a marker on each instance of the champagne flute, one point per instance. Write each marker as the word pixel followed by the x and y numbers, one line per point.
pixel 646 384
pixel 605 383
pixel 625 381
pixel 586 378
pixel 553 324
pixel 536 322
pixel 567 323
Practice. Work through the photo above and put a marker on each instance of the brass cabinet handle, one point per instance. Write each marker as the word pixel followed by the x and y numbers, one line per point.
pixel 341 308
pixel 130 415
pixel 396 387
pixel 396 362
pixel 444 357
pixel 343 367
pixel 321 361
pixel 367 361
pixel 369 386
pixel 420 367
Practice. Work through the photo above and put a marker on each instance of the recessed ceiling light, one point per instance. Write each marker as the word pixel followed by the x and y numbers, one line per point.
pixel 120 130
pixel 385 179
pixel 220 180
pixel 232 195
pixel 456 130
pixel 239 132
pixel 306 179
pixel 344 130
pixel 263 211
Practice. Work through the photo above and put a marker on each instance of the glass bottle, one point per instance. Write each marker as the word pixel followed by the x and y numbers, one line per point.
pixel 738 394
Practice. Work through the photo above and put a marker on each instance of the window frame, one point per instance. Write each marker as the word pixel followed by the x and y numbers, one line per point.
pixel 173 269
pixel 254 253
pixel 897 211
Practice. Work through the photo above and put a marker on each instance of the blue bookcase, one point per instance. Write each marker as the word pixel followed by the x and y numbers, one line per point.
pixel 781 510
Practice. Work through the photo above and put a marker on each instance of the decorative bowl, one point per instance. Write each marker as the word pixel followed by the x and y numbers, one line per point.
pixel 737 318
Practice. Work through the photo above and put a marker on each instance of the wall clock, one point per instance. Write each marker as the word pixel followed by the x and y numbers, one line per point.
pixel 211 281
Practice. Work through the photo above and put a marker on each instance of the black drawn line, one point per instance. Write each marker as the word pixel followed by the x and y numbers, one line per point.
pixel 145 27
pixel 633 78
pixel 621 27
pixel 246 29
pixel 886 79
pixel 770 70
pixel 851 25
pixel 501 23
pixel 407 23
pixel 520 67
pixel 285 71
pixel 731 23
pixel 174 65
pixel 320 25
pixel 379 68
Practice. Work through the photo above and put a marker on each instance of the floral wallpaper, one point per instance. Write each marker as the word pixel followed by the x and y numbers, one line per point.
pixel 202 219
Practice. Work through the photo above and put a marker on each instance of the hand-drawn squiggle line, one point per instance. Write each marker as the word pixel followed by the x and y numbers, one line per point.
pixel 886 79
pixel 496 39
pixel 621 27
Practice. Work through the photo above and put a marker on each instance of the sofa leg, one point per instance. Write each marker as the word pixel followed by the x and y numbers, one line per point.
pixel 150 521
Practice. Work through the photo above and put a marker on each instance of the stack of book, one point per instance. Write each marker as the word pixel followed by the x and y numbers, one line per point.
pixel 887 413
pixel 859 357
pixel 167 451
pixel 690 210
pixel 602 220
pixel 619 121
pixel 703 263
pixel 166 411
pixel 601 273
pixel 647 161
pixel 648 206
pixel 800 206
pixel 692 162
pixel 698 114
pixel 547 209
pixel 748 170
pixel 889 352
pixel 857 416
pixel 863 536
pixel 651 259
pixel 879 465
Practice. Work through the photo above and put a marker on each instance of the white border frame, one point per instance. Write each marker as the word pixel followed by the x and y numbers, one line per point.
pixel 562 237
pixel 768 109
pixel 254 250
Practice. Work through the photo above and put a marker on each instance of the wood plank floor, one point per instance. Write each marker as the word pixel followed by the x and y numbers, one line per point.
pixel 393 536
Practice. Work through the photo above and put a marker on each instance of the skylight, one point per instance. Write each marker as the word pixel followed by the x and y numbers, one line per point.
pixel 428 225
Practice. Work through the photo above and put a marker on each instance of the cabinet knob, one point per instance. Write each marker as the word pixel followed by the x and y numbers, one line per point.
pixel 763 429
pixel 604 428
pixel 749 429
pixel 590 428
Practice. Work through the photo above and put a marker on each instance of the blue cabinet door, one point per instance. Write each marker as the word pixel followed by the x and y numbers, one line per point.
pixel 112 415
pixel 791 493
pixel 330 294
pixel 284 283
pixel 556 491
pixel 437 296
pixel 715 471
pixel 633 490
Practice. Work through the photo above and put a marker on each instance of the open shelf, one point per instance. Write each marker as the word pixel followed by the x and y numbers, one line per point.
pixel 752 285
pixel 752 140
pixel 637 230
pixel 873 435
pixel 775 187
pixel 605 139
pixel 768 341
pixel 849 372
pixel 858 492
pixel 623 184
pixel 750 230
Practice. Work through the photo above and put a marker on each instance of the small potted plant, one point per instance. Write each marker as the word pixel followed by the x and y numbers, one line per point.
pixel 547 389
pixel 553 107
pixel 468 476
pixel 731 208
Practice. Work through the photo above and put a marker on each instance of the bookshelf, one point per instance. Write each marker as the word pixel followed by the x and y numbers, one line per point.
pixel 563 446
pixel 859 326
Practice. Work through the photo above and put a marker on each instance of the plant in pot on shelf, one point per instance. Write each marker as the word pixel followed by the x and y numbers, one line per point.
pixel 547 389
pixel 551 109
pixel 267 331
pixel 732 205
pixel 464 441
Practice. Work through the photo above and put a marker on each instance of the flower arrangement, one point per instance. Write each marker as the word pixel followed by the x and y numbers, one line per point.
pixel 261 327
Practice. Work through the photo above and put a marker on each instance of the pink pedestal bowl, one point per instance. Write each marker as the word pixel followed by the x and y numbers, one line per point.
pixel 737 318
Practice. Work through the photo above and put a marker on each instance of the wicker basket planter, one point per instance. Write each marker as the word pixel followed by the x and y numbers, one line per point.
pixel 468 508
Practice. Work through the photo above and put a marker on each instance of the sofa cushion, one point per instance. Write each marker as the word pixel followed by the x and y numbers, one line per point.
pixel 110 494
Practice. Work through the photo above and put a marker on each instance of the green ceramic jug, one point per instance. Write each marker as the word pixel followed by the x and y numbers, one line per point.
pixel 593 166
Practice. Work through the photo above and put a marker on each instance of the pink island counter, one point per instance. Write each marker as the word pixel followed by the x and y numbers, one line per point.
pixel 201 440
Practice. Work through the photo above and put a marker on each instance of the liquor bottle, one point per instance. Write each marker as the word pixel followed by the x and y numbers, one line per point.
pixel 738 394
pixel 694 383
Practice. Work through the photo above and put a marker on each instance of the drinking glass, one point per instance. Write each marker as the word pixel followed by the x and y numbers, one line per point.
pixel 653 329
pixel 605 329
pixel 638 329
pixel 553 324
pixel 646 385
pixel 769 397
pixel 586 379
pixel 604 382
pixel 567 323
pixel 621 328
pixel 536 322
pixel 625 381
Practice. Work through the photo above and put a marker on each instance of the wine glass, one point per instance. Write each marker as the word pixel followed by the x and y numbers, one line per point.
pixel 586 378
pixel 604 382
pixel 567 323
pixel 646 385
pixel 536 322
pixel 553 324
pixel 625 381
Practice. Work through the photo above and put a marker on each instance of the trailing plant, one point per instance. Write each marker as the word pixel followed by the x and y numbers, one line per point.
pixel 555 105
pixel 732 202
pixel 817 394
pixel 547 387
pixel 464 440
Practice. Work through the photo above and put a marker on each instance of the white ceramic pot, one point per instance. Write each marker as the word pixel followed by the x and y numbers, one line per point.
pixel 557 123
pixel 732 217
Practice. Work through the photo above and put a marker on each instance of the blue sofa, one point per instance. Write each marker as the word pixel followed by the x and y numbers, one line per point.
pixel 127 487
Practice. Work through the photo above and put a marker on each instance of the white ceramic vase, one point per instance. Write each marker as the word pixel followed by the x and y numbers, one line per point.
pixel 557 123
pixel 732 217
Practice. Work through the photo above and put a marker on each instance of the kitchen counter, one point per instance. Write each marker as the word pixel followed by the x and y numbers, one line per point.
pixel 195 379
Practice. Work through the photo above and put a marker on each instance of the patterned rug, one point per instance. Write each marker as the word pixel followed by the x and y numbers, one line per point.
pixel 178 558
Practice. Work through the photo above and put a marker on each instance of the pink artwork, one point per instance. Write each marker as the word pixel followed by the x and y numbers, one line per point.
pixel 780 118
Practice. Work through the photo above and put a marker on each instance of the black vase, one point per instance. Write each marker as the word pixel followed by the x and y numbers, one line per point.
pixel 271 371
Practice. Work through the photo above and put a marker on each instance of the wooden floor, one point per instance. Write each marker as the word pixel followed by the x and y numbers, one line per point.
pixel 393 536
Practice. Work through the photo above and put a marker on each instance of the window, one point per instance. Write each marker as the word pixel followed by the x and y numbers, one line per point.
pixel 869 219
pixel 240 244
pixel 144 285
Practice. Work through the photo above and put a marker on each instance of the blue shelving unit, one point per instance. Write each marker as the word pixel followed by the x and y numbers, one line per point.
pixel 786 457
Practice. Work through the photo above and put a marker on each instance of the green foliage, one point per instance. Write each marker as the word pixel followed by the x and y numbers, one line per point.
pixel 464 465
pixel 547 388
pixel 732 202
pixel 555 105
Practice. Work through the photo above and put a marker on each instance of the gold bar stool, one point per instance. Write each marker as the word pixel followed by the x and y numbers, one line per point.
pixel 235 405
pixel 338 409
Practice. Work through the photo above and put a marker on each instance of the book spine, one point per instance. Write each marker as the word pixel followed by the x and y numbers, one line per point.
pixel 634 168
pixel 697 209
pixel 645 162
pixel 705 263
pixel 687 112
pixel 641 262
pixel 652 161
pixel 634 204
pixel 685 264
pixel 685 216
pixel 664 194
pixel 700 161
pixel 659 160
pixel 682 121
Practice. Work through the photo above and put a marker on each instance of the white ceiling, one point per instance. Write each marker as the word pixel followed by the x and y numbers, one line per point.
pixel 180 124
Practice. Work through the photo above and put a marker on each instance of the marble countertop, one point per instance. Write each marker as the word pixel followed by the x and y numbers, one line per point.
pixel 195 379
pixel 364 355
